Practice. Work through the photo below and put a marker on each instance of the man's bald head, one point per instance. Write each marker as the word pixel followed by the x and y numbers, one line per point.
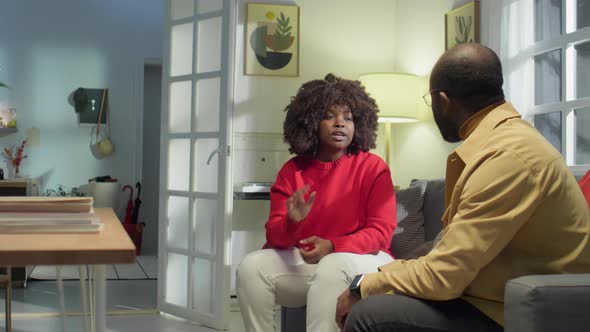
pixel 471 73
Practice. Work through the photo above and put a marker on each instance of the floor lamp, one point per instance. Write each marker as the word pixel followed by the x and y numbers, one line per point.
pixel 397 97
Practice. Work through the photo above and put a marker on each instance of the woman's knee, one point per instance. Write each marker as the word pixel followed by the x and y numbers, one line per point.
pixel 250 266
pixel 330 268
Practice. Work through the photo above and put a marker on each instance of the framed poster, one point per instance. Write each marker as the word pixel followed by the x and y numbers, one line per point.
pixel 462 25
pixel 271 46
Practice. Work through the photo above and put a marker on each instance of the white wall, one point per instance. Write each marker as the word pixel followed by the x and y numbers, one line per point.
pixel 50 48
pixel 418 150
pixel 344 37
pixel 348 39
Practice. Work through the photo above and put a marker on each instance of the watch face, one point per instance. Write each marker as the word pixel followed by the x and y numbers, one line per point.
pixel 356 281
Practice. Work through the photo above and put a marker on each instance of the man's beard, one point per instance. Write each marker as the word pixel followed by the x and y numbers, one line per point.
pixel 447 128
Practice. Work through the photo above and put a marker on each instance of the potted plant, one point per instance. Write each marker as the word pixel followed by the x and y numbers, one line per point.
pixel 63 191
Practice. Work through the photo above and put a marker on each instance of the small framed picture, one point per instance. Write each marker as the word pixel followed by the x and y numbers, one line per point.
pixel 462 25
pixel 271 46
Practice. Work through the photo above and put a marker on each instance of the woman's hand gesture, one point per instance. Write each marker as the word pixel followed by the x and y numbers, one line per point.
pixel 314 248
pixel 297 207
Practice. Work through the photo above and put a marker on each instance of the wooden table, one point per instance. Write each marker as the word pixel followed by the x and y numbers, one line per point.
pixel 109 246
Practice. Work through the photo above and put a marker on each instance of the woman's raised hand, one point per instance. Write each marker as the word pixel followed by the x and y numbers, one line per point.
pixel 297 207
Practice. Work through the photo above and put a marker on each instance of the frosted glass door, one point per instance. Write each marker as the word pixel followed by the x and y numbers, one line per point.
pixel 195 191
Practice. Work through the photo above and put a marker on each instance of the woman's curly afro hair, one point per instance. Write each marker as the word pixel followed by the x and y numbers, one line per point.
pixel 310 105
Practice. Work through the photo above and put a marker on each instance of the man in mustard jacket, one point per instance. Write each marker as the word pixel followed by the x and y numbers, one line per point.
pixel 512 209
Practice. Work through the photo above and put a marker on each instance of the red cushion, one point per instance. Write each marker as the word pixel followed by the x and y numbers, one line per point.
pixel 585 185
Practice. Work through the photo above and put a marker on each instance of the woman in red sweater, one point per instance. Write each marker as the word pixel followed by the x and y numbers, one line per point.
pixel 332 209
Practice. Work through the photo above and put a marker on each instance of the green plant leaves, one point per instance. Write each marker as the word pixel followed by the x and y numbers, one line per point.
pixel 63 191
pixel 283 28
pixel 2 85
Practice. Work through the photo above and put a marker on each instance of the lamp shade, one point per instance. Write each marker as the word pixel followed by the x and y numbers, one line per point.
pixel 396 95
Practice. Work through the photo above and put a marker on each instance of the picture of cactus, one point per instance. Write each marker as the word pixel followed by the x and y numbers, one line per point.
pixel 462 25
pixel 272 32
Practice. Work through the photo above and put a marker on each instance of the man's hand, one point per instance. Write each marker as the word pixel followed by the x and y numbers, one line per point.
pixel 297 207
pixel 345 302
pixel 315 248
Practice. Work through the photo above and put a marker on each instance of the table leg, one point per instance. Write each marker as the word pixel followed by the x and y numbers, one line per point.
pixel 8 300
pixel 100 297
pixel 83 296
pixel 61 296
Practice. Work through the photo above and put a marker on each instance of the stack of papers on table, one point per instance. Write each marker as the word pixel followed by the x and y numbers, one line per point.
pixel 48 215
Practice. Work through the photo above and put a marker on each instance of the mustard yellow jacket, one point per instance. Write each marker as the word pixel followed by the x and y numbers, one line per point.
pixel 513 209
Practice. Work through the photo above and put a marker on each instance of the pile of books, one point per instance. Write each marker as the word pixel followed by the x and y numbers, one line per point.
pixel 48 215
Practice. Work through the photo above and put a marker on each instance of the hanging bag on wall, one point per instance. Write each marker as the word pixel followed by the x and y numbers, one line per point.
pixel 103 146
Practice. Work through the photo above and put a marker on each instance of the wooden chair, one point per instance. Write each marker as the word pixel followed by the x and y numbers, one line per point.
pixel 6 283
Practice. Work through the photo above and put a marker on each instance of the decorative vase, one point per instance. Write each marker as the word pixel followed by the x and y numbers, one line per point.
pixel 9 172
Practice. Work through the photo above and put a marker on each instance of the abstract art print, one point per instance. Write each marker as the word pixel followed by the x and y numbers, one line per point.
pixel 462 25
pixel 271 45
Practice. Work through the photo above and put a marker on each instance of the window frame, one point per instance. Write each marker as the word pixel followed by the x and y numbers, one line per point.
pixel 568 104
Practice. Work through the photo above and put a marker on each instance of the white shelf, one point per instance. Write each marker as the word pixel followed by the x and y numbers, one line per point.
pixel 7 131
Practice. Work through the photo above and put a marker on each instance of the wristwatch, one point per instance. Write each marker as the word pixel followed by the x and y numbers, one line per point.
pixel 355 286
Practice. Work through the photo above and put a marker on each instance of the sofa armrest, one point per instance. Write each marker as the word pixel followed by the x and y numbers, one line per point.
pixel 547 303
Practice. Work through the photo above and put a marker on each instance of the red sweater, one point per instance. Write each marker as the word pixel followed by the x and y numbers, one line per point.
pixel 354 205
pixel 585 186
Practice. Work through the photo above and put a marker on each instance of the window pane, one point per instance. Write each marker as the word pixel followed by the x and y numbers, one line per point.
pixel 549 125
pixel 207 6
pixel 176 280
pixel 178 226
pixel 547 19
pixel 205 219
pixel 204 283
pixel 583 70
pixel 583 10
pixel 181 49
pixel 179 151
pixel 207 114
pixel 180 107
pixel 548 77
pixel 582 136
pixel 209 45
pixel 206 169
pixel 181 8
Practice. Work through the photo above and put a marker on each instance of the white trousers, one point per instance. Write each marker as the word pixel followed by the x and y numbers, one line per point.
pixel 267 277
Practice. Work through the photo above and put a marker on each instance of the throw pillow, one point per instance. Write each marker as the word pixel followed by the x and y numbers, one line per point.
pixel 409 233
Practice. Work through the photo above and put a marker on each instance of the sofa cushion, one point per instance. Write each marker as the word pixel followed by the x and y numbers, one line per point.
pixel 434 207
pixel 409 233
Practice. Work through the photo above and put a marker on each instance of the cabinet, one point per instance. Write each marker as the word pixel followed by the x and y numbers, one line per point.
pixel 17 188
pixel 258 157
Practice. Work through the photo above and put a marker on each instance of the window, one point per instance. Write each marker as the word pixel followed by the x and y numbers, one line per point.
pixel 561 94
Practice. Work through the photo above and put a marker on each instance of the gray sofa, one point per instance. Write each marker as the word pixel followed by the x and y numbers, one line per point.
pixel 539 303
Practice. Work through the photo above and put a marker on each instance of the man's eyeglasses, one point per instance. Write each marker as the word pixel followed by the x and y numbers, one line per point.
pixel 428 97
